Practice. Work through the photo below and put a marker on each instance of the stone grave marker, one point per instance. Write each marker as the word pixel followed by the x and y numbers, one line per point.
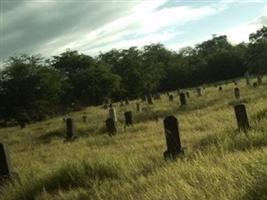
pixel 138 107
pixel 182 99
pixel 126 100
pixel 171 98
pixel 113 114
pixel 241 117
pixel 111 126
pixel 255 84
pixel 187 94
pixel 237 93
pixel 71 133
pixel 220 88
pixel 199 92
pixel 128 118
pixel 5 166
pixel 172 135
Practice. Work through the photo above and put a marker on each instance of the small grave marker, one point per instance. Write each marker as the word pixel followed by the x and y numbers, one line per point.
pixel 138 107
pixel 172 135
pixel 128 118
pixel 187 94
pixel 113 114
pixel 220 88
pixel 111 126
pixel 241 117
pixel 5 166
pixel 237 93
pixel 71 134
pixel 182 99
pixel 255 84
pixel 171 98
pixel 199 92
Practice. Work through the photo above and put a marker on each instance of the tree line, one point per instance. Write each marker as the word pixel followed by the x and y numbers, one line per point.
pixel 33 88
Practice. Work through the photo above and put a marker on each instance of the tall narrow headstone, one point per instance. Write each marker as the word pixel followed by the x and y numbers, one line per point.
pixel 237 93
pixel 172 135
pixel 241 117
pixel 138 107
pixel 171 98
pixel 70 129
pixel 182 99
pixel 199 92
pixel 128 118
pixel 111 126
pixel 113 114
pixel 5 167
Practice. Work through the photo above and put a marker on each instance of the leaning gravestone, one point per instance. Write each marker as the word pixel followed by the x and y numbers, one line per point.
pixel 128 118
pixel 241 117
pixel 199 92
pixel 182 99
pixel 113 114
pixel 171 98
pixel 237 93
pixel 5 166
pixel 149 99
pixel 111 126
pixel 71 134
pixel 172 135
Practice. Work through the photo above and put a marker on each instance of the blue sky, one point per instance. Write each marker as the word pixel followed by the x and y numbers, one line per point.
pixel 49 27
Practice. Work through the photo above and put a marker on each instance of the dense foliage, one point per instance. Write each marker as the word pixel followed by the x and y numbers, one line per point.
pixel 32 88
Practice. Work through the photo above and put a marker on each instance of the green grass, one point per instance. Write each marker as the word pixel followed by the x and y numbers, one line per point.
pixel 219 163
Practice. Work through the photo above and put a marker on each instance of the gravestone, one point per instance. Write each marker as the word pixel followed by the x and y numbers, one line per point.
pixel 84 118
pixel 149 99
pixel 172 135
pixel 182 99
pixel 255 84
pixel 171 98
pixel 199 92
pixel 5 166
pixel 220 88
pixel 237 93
pixel 128 118
pixel 113 114
pixel 241 117
pixel 138 107
pixel 111 126
pixel 187 94
pixel 71 134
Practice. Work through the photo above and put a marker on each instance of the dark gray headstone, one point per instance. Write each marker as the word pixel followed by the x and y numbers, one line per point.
pixel 111 126
pixel 241 117
pixel 199 92
pixel 220 88
pixel 187 94
pixel 237 93
pixel 70 129
pixel 172 135
pixel 128 118
pixel 113 114
pixel 171 98
pixel 255 84
pixel 5 166
pixel 138 107
pixel 182 99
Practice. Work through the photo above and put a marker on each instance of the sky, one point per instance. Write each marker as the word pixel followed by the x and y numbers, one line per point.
pixel 50 27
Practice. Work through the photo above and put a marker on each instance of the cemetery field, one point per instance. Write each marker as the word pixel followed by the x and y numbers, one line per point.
pixel 220 162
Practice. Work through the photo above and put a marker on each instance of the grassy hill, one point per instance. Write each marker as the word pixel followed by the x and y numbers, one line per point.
pixel 219 163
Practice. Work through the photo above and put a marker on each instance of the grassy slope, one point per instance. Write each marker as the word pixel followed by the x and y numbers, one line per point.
pixel 220 162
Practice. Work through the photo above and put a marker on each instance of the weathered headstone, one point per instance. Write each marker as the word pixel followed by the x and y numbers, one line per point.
pixel 199 92
pixel 113 114
pixel 171 98
pixel 241 117
pixel 220 88
pixel 255 84
pixel 237 93
pixel 5 166
pixel 111 126
pixel 71 134
pixel 128 118
pixel 138 107
pixel 84 118
pixel 182 99
pixel 149 99
pixel 187 94
pixel 172 135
